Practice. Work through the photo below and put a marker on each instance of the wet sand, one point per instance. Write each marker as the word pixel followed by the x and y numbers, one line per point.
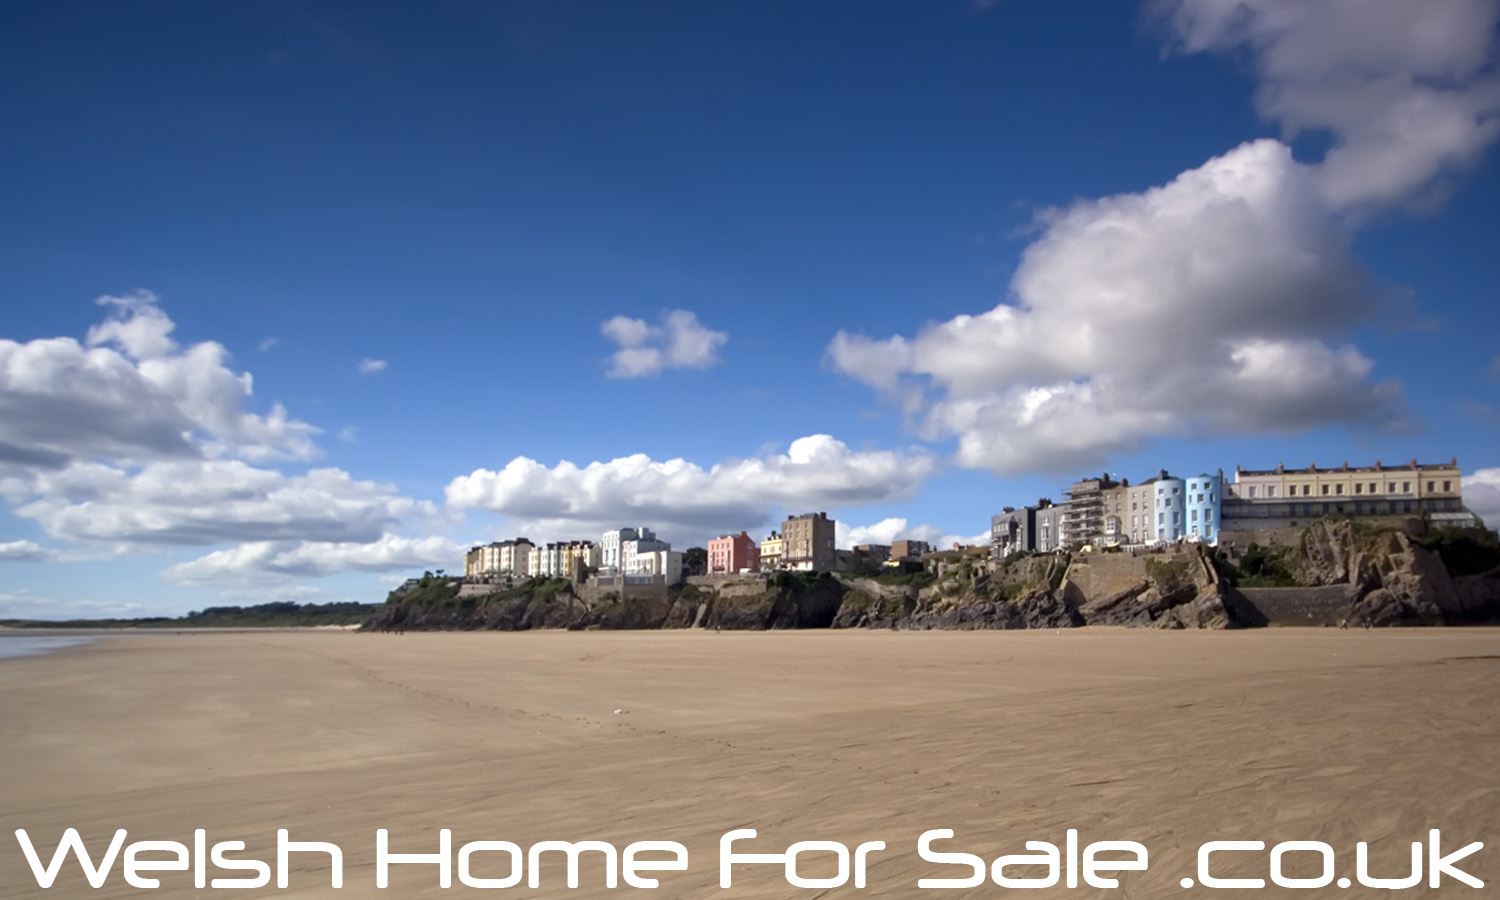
pixel 1167 739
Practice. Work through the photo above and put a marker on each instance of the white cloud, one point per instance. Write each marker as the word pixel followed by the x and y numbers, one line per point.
pixel 368 366
pixel 890 530
pixel 816 473
pixel 273 559
pixel 266 345
pixel 137 325
pixel 1220 302
pixel 26 551
pixel 678 342
pixel 130 441
pixel 199 502
pixel 23 604
pixel 1409 91
pixel 1205 304
pixel 130 392
pixel 349 434
pixel 1482 495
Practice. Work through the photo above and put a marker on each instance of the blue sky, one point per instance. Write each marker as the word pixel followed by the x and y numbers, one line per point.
pixel 392 279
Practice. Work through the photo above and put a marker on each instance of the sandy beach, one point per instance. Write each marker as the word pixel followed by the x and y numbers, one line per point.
pixel 1166 739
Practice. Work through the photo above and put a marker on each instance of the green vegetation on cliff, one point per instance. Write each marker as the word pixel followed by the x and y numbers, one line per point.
pixel 1266 567
pixel 1464 552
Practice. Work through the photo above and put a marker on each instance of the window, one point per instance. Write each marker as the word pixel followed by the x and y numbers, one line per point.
pixel 1306 490
pixel 1195 515
pixel 1270 491
pixel 1252 492
pixel 1161 518
pixel 1325 490
pixel 1176 518
pixel 1195 531
pixel 1359 488
pixel 1429 487
pixel 1447 486
pixel 1338 489
pixel 1374 487
pixel 1208 515
pixel 1391 488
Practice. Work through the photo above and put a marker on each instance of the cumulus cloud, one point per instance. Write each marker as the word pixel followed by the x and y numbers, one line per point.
pixel 1201 304
pixel 678 341
pixel 890 530
pixel 26 551
pixel 272 559
pixel 816 473
pixel 1482 495
pixel 1408 91
pixel 131 392
pixel 1220 302
pixel 198 502
pixel 368 366
pixel 130 442
pixel 266 345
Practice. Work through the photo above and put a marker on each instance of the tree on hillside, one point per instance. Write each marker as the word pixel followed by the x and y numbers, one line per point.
pixel 694 561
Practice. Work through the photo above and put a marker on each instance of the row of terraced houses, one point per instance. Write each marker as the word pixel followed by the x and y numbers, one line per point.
pixel 1102 512
pixel 1098 512
pixel 804 543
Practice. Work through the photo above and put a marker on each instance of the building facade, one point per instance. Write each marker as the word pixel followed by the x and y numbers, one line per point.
pixel 565 559
pixel 1282 497
pixel 610 546
pixel 632 552
pixel 1083 513
pixel 1171 507
pixel 880 553
pixel 654 564
pixel 500 557
pixel 1115 501
pixel 772 549
pixel 1141 498
pixel 1049 527
pixel 909 550
pixel 1012 531
pixel 809 542
pixel 1203 501
pixel 731 553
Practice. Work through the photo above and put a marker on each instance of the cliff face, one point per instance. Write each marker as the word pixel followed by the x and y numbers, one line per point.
pixel 1338 573
pixel 438 605
pixel 1394 579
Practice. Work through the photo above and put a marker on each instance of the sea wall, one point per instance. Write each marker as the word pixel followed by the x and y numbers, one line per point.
pixel 1329 605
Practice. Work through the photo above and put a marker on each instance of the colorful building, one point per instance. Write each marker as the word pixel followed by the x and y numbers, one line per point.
pixel 731 553
pixel 772 549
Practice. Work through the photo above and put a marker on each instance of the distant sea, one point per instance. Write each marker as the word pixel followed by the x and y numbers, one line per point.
pixel 12 644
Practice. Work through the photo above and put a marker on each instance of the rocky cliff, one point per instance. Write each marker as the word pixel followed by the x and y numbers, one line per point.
pixel 1399 575
pixel 1389 576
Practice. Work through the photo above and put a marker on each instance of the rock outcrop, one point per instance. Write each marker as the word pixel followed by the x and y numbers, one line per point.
pixel 1339 572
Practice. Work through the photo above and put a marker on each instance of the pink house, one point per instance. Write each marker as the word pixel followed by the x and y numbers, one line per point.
pixel 732 553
